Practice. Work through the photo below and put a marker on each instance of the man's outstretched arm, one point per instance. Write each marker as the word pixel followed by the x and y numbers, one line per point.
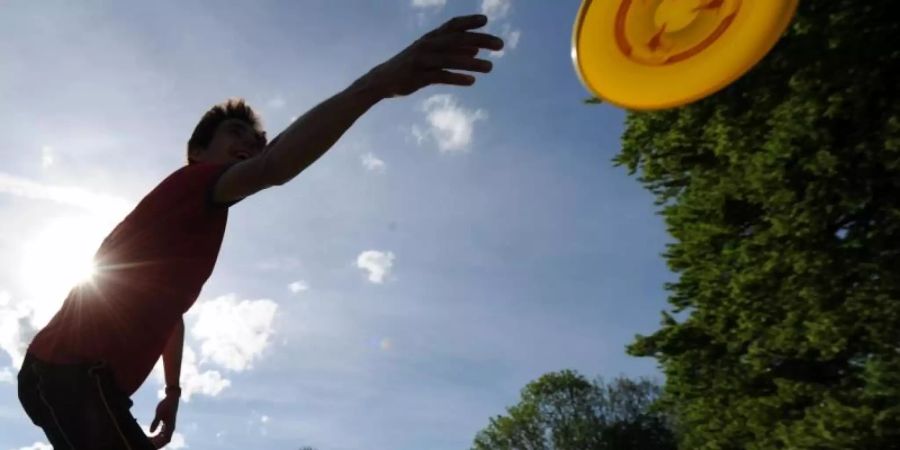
pixel 425 62
pixel 167 409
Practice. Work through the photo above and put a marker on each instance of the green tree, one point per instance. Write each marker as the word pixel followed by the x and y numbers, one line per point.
pixel 782 196
pixel 564 411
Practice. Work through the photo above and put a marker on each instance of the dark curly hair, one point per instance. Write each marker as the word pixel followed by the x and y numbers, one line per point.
pixel 233 108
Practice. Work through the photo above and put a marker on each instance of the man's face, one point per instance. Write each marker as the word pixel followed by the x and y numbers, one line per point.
pixel 234 140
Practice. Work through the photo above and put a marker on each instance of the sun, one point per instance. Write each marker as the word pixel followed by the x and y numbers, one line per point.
pixel 59 257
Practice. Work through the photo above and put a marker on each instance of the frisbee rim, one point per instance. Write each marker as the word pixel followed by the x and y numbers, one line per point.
pixel 782 25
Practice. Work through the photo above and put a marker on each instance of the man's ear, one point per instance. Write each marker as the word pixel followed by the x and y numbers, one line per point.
pixel 193 152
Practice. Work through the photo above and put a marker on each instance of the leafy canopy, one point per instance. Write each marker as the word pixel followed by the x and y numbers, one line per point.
pixel 782 196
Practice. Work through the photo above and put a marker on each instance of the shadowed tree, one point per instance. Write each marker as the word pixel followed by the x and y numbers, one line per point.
pixel 782 195
pixel 564 411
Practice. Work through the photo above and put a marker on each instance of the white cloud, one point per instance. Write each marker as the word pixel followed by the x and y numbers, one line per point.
pixel 207 382
pixel 233 333
pixel 74 196
pixel 259 422
pixel 372 163
pixel 510 40
pixel 46 156
pixel 427 8
pixel 419 134
pixel 193 381
pixel 378 264
pixel 7 376
pixel 177 441
pixel 449 124
pixel 496 9
pixel 429 3
pixel 17 328
pixel 513 39
pixel 298 286
pixel 38 446
pixel 276 102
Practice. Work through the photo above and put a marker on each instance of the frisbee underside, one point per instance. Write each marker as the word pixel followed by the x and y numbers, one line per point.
pixel 656 54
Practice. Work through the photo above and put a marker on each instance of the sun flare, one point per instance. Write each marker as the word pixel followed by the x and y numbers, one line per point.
pixel 60 257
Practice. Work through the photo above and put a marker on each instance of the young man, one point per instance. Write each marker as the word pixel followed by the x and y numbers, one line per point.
pixel 81 369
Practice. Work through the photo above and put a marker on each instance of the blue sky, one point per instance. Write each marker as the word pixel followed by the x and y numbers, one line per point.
pixel 453 246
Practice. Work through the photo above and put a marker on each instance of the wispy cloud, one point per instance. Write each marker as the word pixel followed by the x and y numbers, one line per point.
pixel 510 39
pixel 233 333
pixel 372 163
pixel 177 441
pixel 46 156
pixel 298 286
pixel 377 263
pixel 419 134
pixel 496 9
pixel 69 195
pixel 450 125
pixel 429 3
pixel 427 8
pixel 38 446
pixel 7 376
pixel 276 102
pixel 17 328
pixel 259 422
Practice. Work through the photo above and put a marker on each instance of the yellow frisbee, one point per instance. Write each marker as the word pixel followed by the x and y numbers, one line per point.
pixel 655 54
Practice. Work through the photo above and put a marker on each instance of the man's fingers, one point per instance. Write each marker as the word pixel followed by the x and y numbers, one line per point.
pixel 154 424
pixel 464 51
pixel 165 434
pixel 465 39
pixel 462 23
pixel 447 77
pixel 458 62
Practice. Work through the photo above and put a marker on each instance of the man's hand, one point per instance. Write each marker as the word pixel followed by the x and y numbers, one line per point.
pixel 425 62
pixel 451 46
pixel 166 411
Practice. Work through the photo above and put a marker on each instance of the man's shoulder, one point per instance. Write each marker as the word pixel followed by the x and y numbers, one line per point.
pixel 196 174
pixel 196 181
pixel 183 183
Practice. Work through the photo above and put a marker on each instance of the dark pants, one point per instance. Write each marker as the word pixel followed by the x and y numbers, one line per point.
pixel 79 406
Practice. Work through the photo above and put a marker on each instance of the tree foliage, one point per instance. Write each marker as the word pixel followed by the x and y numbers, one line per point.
pixel 782 195
pixel 564 411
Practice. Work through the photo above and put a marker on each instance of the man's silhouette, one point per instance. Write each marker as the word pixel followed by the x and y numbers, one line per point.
pixel 81 369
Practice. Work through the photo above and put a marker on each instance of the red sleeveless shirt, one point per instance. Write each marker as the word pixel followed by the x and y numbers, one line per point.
pixel 149 271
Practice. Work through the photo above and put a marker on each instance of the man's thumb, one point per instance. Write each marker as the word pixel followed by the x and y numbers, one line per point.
pixel 154 424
